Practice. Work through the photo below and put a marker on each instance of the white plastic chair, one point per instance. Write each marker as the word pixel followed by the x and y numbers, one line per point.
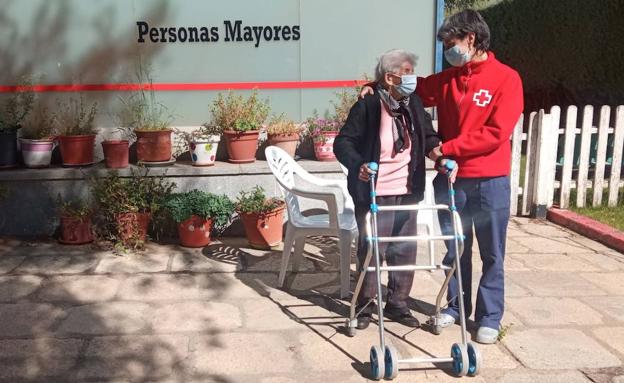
pixel 335 223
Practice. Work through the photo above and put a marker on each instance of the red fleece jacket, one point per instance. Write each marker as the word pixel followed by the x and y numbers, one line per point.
pixel 478 107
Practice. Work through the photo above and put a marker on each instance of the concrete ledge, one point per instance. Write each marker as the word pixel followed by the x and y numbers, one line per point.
pixel 30 206
pixel 179 169
pixel 588 227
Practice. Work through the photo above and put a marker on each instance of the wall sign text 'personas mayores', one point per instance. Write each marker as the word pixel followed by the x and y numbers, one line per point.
pixel 235 31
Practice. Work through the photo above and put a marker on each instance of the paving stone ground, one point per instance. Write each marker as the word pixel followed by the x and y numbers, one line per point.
pixel 171 314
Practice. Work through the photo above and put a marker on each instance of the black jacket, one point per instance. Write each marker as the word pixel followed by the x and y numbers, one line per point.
pixel 358 142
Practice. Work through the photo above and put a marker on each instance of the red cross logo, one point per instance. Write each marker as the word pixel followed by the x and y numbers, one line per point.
pixel 482 98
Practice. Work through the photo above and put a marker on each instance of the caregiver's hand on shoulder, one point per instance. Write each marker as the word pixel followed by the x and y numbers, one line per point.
pixel 366 90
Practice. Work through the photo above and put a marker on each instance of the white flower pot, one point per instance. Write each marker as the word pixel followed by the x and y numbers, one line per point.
pixel 204 150
pixel 37 153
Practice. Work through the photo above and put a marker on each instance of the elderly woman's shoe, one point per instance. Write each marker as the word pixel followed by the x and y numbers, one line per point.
pixel 363 321
pixel 402 316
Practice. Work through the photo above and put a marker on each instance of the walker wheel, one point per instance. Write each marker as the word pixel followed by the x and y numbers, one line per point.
pixel 392 362
pixel 475 359
pixel 460 359
pixel 377 363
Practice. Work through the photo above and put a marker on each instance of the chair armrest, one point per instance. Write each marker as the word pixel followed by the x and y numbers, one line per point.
pixel 339 184
pixel 328 198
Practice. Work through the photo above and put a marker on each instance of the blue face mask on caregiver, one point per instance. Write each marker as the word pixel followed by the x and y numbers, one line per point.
pixel 407 85
pixel 456 57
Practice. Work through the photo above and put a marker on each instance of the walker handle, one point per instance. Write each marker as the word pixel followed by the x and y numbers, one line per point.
pixel 450 165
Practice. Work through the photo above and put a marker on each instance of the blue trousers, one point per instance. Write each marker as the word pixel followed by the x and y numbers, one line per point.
pixel 482 203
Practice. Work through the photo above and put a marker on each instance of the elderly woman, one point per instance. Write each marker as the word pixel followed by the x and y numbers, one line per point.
pixel 391 128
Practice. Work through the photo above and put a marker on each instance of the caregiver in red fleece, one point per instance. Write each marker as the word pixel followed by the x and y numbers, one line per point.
pixel 479 101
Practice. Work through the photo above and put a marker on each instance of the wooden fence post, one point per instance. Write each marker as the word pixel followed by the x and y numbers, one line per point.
pixel 545 146
pixel 516 155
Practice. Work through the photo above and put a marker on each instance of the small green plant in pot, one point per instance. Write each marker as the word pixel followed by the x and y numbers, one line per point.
pixel 197 213
pixel 262 217
pixel 127 205
pixel 284 133
pixel 12 114
pixel 241 119
pixel 75 218
pixel 75 128
pixel 148 120
pixel 37 138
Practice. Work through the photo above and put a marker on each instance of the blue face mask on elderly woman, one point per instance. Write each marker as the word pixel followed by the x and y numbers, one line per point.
pixel 407 85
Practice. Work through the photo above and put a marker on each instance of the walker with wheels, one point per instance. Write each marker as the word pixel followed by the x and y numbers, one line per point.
pixel 385 361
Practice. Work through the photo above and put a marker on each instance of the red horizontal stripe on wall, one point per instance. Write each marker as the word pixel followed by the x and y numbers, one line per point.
pixel 184 86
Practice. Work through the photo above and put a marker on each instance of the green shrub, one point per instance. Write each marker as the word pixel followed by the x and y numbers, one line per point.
pixel 238 113
pixel 16 108
pixel 75 117
pixel 566 52
pixel 205 205
pixel 256 201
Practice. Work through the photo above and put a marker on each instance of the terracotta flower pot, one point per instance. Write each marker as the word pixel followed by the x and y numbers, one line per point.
pixel 264 230
pixel 204 150
pixel 132 227
pixel 153 146
pixel 37 153
pixel 195 232
pixel 115 153
pixel 241 146
pixel 288 142
pixel 77 150
pixel 76 230
pixel 8 149
pixel 324 149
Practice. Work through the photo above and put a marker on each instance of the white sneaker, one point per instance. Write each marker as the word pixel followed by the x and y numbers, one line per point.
pixel 445 320
pixel 486 335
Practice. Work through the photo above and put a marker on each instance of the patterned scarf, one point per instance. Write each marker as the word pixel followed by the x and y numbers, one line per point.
pixel 401 120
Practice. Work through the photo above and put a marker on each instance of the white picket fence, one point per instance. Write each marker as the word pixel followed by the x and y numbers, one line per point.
pixel 599 149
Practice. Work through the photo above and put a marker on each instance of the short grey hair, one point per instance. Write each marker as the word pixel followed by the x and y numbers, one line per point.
pixel 391 61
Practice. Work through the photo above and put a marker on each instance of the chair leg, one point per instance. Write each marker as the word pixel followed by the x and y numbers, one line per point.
pixel 345 262
pixel 288 244
pixel 299 244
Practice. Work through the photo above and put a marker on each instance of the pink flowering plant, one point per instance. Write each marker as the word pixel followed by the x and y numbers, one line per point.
pixel 318 127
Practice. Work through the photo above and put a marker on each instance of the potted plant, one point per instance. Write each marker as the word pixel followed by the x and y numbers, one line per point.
pixel 75 216
pixel 283 133
pixel 127 205
pixel 203 144
pixel 12 114
pixel 76 131
pixel 324 130
pixel 37 137
pixel 241 119
pixel 197 213
pixel 149 121
pixel 116 151
pixel 262 217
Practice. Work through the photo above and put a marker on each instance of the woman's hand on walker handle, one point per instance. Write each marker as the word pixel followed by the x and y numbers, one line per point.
pixel 450 168
pixel 365 172
pixel 441 163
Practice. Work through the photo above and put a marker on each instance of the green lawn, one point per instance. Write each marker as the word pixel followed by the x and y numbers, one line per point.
pixel 612 216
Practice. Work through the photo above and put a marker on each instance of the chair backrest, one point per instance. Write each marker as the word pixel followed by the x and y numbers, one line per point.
pixel 284 167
